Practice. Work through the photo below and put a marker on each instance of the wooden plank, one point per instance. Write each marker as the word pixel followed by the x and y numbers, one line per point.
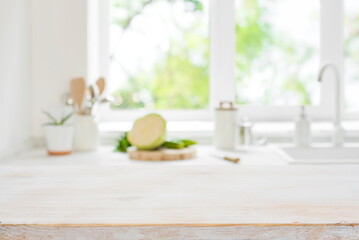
pixel 207 195
pixel 327 232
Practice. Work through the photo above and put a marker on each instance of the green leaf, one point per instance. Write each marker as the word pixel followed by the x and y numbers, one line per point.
pixel 67 117
pixel 53 119
pixel 187 142
pixel 122 144
pixel 173 144
pixel 178 143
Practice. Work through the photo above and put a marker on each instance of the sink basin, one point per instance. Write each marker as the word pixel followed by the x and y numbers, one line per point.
pixel 323 155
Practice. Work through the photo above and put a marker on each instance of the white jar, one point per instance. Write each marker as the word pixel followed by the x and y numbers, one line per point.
pixel 86 133
pixel 225 126
pixel 59 139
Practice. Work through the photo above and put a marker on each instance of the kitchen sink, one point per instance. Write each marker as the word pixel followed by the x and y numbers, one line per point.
pixel 323 155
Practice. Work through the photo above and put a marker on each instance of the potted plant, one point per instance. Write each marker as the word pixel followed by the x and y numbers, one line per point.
pixel 59 135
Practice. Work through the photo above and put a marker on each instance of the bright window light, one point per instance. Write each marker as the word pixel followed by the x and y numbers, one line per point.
pixel 277 52
pixel 351 54
pixel 159 54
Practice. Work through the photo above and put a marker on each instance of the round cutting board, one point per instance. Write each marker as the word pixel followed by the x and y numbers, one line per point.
pixel 162 154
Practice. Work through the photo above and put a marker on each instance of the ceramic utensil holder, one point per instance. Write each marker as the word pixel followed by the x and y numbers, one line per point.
pixel 59 139
pixel 225 126
pixel 86 133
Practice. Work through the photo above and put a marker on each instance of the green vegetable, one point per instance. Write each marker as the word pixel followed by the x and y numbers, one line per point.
pixel 187 142
pixel 173 144
pixel 122 144
pixel 178 143
pixel 148 132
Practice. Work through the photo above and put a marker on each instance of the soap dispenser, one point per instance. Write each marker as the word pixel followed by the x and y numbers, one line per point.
pixel 302 136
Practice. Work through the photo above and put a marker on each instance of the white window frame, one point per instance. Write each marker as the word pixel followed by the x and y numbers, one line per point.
pixel 222 65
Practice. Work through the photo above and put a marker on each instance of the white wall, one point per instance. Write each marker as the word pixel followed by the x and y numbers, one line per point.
pixel 59 52
pixel 42 46
pixel 15 91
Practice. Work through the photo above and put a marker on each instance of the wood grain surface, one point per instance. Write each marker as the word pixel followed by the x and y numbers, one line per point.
pixel 221 201
pixel 317 232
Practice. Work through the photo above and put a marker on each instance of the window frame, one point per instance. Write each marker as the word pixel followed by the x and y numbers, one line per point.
pixel 222 66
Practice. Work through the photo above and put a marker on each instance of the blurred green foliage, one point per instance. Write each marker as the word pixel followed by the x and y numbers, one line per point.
pixel 178 82
pixel 255 38
pixel 351 55
pixel 351 49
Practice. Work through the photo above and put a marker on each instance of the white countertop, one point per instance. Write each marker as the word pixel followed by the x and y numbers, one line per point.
pixel 191 195
pixel 104 193
pixel 104 156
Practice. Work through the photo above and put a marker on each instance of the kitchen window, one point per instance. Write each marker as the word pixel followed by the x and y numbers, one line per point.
pixel 277 52
pixel 181 57
pixel 159 54
pixel 351 54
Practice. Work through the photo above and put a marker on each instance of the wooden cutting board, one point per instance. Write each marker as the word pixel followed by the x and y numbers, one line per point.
pixel 162 154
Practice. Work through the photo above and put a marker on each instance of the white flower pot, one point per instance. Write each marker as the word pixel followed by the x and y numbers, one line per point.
pixel 86 133
pixel 59 139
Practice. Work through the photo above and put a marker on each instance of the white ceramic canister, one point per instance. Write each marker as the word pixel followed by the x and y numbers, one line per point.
pixel 59 139
pixel 225 126
pixel 86 133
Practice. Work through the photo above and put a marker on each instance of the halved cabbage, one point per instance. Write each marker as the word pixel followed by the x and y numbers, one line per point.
pixel 148 132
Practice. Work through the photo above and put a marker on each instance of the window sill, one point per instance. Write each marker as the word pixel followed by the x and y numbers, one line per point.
pixel 202 131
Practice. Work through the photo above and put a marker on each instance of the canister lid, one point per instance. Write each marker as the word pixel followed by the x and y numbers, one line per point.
pixel 226 106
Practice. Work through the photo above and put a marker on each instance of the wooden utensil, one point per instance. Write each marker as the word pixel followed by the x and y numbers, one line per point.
pixel 101 85
pixel 162 154
pixel 78 87
pixel 228 158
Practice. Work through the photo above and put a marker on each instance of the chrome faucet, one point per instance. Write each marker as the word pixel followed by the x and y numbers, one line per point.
pixel 338 133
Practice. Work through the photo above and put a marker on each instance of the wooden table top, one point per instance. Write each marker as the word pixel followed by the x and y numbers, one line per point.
pixel 179 195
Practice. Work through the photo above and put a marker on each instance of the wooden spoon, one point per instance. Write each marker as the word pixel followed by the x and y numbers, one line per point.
pixel 78 87
pixel 101 85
